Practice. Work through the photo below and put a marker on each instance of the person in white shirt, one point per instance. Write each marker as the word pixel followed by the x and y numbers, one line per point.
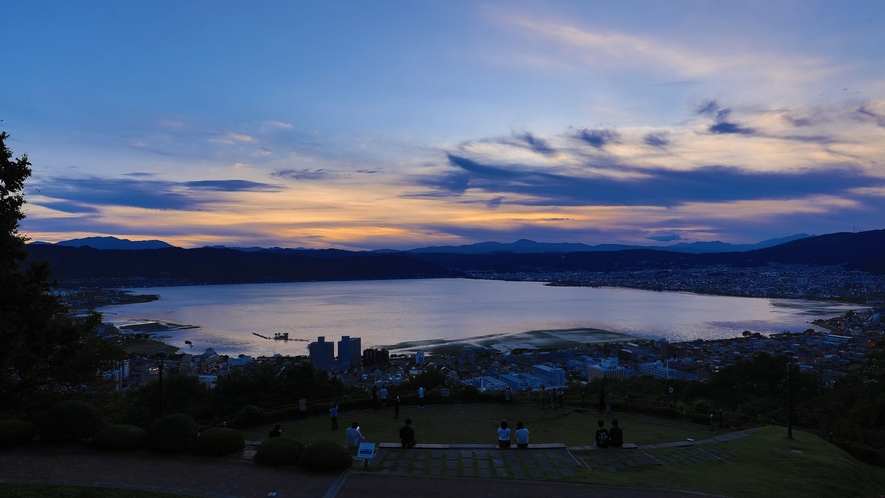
pixel 522 436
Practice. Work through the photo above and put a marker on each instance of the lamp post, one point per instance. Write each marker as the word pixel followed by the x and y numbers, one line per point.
pixel 161 358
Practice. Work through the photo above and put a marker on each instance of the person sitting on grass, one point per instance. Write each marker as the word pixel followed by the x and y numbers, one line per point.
pixel 503 435
pixel 353 436
pixel 615 435
pixel 522 436
pixel 407 434
pixel 276 431
pixel 601 435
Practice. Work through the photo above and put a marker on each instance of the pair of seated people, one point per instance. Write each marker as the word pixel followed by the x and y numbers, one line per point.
pixel 613 437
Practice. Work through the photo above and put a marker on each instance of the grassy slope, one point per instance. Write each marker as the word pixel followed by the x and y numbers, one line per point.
pixel 765 464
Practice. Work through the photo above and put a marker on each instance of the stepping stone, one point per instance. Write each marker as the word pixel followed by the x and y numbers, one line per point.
pixel 519 474
pixel 501 471
pixel 567 472
pixel 469 472
pixel 536 473
pixel 485 472
pixel 451 465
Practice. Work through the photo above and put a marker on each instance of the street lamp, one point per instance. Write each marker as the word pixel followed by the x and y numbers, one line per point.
pixel 161 357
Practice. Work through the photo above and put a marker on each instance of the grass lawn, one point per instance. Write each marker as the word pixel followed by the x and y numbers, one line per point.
pixel 478 424
pixel 765 464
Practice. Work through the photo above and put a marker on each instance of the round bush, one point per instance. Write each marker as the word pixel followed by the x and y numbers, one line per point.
pixel 249 416
pixel 71 420
pixel 218 441
pixel 172 434
pixel 13 432
pixel 325 455
pixel 119 437
pixel 279 451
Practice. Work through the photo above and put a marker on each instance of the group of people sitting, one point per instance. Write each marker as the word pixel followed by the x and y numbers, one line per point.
pixel 522 435
pixel 604 438
pixel 613 437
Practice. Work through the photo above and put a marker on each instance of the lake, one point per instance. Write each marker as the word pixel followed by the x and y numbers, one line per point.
pixel 404 315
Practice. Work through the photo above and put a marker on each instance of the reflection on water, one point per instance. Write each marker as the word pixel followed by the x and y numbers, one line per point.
pixel 443 311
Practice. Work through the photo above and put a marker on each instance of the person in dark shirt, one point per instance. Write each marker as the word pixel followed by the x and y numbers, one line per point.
pixel 601 435
pixel 615 435
pixel 407 434
pixel 276 431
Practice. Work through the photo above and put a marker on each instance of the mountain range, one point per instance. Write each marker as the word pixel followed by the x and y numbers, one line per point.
pixel 74 264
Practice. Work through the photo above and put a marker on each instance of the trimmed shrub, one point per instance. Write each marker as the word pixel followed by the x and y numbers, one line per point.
pixel 249 416
pixel 279 451
pixel 13 432
pixel 172 434
pixel 218 441
pixel 325 456
pixel 71 420
pixel 119 437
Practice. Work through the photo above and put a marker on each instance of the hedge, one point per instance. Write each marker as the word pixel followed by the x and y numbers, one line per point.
pixel 14 432
pixel 279 451
pixel 218 441
pixel 325 456
pixel 71 420
pixel 119 437
pixel 172 434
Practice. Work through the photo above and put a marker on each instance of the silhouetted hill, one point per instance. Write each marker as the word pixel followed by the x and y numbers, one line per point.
pixel 863 251
pixel 115 243
pixel 176 266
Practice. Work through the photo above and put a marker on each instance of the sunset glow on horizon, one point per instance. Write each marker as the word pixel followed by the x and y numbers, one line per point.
pixel 361 125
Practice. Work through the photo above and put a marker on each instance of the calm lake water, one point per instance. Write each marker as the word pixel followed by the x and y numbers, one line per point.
pixel 406 314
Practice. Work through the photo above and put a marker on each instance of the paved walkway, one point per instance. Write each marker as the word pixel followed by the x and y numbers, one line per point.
pixel 459 470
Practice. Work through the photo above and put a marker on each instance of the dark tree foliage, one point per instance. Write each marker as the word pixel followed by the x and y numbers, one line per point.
pixel 46 353
pixel 274 384
pixel 758 386
pixel 181 394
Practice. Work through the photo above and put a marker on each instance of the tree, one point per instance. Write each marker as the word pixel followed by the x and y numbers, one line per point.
pixel 46 352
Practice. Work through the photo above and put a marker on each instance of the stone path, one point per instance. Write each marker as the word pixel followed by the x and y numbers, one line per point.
pixel 466 461
pixel 678 454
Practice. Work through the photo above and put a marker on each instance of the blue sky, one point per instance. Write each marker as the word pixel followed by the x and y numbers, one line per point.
pixel 365 125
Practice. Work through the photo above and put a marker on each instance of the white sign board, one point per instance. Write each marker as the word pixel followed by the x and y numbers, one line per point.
pixel 367 450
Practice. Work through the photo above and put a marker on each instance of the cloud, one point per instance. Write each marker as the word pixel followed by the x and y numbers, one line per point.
pixel 657 139
pixel 537 144
pixel 866 113
pixel 68 207
pixel 725 127
pixel 665 238
pixel 303 174
pixel 232 186
pixel 707 108
pixel 495 203
pixel 597 138
pixel 81 194
pixel 642 186
pixel 722 125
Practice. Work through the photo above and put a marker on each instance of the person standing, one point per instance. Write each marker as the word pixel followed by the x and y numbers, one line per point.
pixel 560 395
pixel 508 396
pixel 374 397
pixel 421 397
pixel 333 413
pixel 542 393
pixel 522 436
pixel 503 435
pixel 407 434
pixel 553 398
pixel 396 407
pixel 608 402
pixel 302 408
pixel 383 394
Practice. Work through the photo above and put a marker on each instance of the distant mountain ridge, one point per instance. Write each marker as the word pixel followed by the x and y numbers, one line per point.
pixel 525 246
pixel 522 246
pixel 864 251
pixel 115 243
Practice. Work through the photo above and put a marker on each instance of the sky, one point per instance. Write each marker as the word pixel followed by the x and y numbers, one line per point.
pixel 401 124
